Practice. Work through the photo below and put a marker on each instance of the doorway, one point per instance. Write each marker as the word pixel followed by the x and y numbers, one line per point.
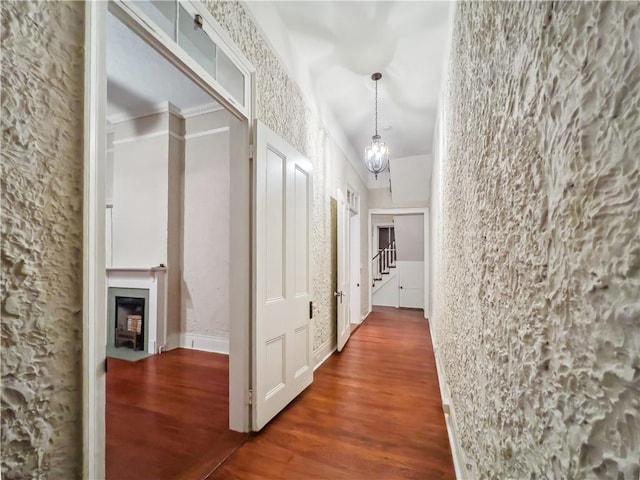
pixel 348 265
pixel 168 270
pixel 355 265
pixel 162 332
pixel 398 242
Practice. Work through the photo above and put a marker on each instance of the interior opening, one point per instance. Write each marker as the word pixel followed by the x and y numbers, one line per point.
pixel 168 220
pixel 398 260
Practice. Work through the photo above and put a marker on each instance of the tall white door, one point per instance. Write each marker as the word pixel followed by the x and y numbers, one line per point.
pixel 282 337
pixel 342 288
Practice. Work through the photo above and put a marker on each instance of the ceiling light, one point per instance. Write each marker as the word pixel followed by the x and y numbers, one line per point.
pixel 376 155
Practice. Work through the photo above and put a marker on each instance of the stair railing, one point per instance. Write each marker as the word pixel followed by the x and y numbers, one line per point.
pixel 384 260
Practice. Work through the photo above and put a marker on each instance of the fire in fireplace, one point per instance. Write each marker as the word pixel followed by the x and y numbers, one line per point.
pixel 130 322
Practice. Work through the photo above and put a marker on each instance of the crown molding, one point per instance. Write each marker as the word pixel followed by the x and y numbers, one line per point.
pixel 164 107
pixel 201 109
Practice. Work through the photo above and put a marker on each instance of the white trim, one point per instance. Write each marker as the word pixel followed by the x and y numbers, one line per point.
pixel 171 134
pixel 201 110
pixel 205 343
pixel 322 353
pixel 164 107
pixel 129 14
pixel 94 311
pixel 161 107
pixel 204 133
pixel 173 341
pixel 364 317
pixel 459 461
pixel 146 136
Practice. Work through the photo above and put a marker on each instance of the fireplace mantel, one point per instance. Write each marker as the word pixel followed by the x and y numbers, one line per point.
pixel 154 280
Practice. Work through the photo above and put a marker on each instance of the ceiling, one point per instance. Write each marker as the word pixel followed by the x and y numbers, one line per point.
pixel 139 79
pixel 333 47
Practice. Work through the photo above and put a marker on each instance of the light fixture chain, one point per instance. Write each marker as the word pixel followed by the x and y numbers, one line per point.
pixel 376 108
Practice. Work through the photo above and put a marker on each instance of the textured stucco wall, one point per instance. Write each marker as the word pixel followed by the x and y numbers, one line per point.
pixel 537 304
pixel 281 106
pixel 42 78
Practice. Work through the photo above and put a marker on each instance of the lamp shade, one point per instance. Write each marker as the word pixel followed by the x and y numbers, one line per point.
pixel 376 156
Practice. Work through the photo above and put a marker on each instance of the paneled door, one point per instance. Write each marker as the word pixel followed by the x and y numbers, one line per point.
pixel 342 288
pixel 282 336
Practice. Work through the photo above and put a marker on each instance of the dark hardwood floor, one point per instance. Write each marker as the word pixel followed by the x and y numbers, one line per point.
pixel 373 412
pixel 168 416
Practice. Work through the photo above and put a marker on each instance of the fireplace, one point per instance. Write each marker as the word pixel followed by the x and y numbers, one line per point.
pixel 130 323
pixel 138 283
pixel 128 318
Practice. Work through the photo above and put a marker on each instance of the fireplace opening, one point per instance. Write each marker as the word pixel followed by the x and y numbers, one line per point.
pixel 130 323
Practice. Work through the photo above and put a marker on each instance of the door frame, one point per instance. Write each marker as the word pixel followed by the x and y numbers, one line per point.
pixel 94 265
pixel 404 211
pixel 355 255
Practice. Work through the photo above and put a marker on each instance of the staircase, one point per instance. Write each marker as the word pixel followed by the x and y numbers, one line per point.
pixel 383 263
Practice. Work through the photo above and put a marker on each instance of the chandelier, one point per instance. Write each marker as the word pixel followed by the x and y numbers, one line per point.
pixel 376 155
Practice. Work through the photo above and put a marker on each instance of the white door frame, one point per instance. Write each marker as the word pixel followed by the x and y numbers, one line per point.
pixel 403 211
pixel 94 266
pixel 355 260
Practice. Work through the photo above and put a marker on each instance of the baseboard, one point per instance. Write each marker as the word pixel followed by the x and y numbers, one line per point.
pixel 364 317
pixel 205 343
pixel 173 342
pixel 322 353
pixel 459 462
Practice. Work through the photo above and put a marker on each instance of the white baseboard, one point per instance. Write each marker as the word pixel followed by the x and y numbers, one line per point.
pixel 206 343
pixel 173 342
pixel 322 353
pixel 366 315
pixel 459 462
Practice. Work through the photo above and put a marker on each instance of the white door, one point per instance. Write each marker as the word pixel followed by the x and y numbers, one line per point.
pixel 342 288
pixel 410 284
pixel 282 337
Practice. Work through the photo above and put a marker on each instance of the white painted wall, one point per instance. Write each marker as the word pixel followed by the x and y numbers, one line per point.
pixel 387 293
pixel 410 177
pixel 409 230
pixel 175 186
pixel 140 192
pixel 144 181
pixel 205 288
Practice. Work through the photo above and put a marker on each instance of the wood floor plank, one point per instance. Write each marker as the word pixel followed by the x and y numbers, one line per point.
pixel 167 416
pixel 373 412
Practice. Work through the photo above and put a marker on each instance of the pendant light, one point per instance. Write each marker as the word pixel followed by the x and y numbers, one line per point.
pixel 376 155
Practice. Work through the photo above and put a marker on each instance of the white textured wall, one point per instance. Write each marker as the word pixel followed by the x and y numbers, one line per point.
pixel 205 291
pixel 537 204
pixel 42 78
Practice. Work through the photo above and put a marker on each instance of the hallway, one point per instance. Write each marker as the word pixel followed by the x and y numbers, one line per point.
pixel 373 412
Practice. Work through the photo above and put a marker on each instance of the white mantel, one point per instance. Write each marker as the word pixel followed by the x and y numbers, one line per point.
pixel 154 280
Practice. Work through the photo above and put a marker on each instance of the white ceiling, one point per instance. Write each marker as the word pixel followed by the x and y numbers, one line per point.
pixel 333 47
pixel 139 79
